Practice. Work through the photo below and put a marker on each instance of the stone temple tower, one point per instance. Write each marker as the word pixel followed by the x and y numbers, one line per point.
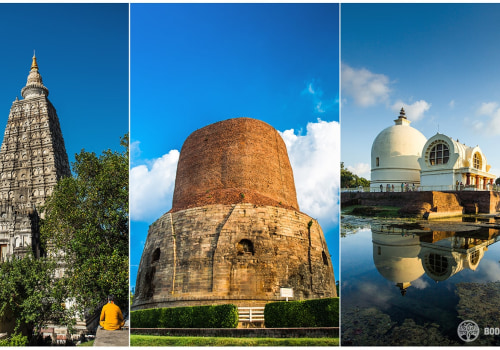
pixel 32 159
pixel 235 233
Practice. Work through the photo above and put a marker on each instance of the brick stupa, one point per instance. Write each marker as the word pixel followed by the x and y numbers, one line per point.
pixel 235 233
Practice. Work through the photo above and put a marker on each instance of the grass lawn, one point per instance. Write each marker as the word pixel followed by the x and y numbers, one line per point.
pixel 372 211
pixel 87 343
pixel 152 340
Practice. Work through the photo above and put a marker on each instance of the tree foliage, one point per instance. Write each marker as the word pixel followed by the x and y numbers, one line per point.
pixel 350 180
pixel 15 339
pixel 30 296
pixel 86 225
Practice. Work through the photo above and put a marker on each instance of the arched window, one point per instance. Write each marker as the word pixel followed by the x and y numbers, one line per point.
pixel 325 259
pixel 377 161
pixel 245 247
pixel 156 255
pixel 439 154
pixel 437 264
pixel 149 282
pixel 474 257
pixel 476 162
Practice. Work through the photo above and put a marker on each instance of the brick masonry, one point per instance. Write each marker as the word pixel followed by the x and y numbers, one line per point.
pixel 232 157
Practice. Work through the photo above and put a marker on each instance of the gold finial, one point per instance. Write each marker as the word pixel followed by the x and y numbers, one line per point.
pixel 33 63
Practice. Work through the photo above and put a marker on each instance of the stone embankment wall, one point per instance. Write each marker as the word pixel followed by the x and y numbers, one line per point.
pixel 486 202
pixel 240 254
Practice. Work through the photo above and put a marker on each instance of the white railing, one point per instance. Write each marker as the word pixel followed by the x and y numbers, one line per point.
pixel 355 189
pixel 494 188
pixel 251 314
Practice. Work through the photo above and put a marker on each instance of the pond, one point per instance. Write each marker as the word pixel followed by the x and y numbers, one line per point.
pixel 413 283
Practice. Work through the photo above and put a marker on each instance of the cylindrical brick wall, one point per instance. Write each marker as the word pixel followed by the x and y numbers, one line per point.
pixel 233 161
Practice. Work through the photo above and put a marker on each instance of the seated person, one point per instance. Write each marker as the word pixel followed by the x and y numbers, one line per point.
pixel 111 316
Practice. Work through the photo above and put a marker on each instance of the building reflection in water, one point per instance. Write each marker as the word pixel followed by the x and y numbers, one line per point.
pixel 403 254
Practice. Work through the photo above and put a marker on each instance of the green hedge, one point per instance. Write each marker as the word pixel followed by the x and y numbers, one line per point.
pixel 210 316
pixel 303 313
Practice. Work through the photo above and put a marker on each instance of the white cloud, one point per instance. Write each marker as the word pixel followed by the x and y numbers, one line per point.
pixel 135 151
pixel 420 283
pixel 452 104
pixel 321 105
pixel 310 89
pixel 315 159
pixel 490 122
pixel 151 188
pixel 415 111
pixel 371 291
pixel 365 87
pixel 487 108
pixel 360 169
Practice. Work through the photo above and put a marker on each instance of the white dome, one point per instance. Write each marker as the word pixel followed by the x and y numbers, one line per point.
pixel 395 153
pixel 396 257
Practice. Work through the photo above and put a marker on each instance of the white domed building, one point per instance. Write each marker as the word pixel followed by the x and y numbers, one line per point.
pixel 445 163
pixel 395 154
pixel 449 256
pixel 396 256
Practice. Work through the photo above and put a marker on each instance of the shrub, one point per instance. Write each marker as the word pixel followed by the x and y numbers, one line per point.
pixel 210 316
pixel 302 313
pixel 148 318
pixel 15 339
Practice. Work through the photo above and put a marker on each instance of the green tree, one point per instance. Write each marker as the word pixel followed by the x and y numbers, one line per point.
pixel 30 296
pixel 497 181
pixel 86 226
pixel 348 179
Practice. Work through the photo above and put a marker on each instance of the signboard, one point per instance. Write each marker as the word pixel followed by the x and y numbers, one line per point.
pixel 286 293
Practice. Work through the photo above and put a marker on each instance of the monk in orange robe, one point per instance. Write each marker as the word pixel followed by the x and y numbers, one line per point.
pixel 111 316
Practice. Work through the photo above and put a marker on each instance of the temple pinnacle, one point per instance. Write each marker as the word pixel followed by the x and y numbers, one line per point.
pixel 34 65
pixel 34 85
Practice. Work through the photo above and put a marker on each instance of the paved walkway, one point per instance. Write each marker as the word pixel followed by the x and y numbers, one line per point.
pixel 112 338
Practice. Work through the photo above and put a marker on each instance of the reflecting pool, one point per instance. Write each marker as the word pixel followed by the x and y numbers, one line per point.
pixel 414 283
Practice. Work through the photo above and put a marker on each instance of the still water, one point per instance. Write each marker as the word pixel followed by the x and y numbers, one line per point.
pixel 414 283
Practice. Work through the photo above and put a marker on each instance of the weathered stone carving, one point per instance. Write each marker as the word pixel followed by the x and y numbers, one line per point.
pixel 30 162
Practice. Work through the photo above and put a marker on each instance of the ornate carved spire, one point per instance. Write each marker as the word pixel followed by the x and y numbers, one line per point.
pixel 34 86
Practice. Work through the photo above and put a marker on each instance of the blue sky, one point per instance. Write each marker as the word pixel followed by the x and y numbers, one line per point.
pixel 195 64
pixel 82 55
pixel 440 61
